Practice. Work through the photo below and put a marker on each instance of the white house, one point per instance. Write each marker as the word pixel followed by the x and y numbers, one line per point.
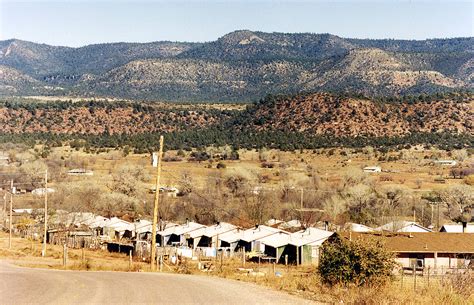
pixel 178 234
pixel 356 227
pixel 42 191
pixel 372 169
pixel 457 228
pixel 437 252
pixel 80 172
pixel 209 236
pixel 403 226
pixel 446 162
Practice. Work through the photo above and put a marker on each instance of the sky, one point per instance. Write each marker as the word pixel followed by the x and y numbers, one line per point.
pixel 80 22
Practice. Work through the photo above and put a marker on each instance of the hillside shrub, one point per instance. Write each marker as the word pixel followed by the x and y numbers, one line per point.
pixel 360 262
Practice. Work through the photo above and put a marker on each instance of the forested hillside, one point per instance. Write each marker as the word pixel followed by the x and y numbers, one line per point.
pixel 240 66
pixel 285 122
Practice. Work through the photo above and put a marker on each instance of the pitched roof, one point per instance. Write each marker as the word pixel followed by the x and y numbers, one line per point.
pixel 276 240
pixel 309 236
pixel 255 233
pixel 231 236
pixel 295 223
pixel 181 229
pixel 213 230
pixel 402 226
pixel 421 242
pixel 456 228
pixel 357 227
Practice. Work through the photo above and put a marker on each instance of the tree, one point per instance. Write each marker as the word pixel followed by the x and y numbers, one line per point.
pixel 128 180
pixel 361 262
pixel 35 172
pixel 459 200
pixel 360 199
pixel 334 206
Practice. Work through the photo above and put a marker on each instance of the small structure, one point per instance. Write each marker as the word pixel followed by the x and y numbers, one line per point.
pixel 4 159
pixel 305 245
pixel 273 222
pixel 115 228
pixel 457 228
pixel 170 191
pixel 80 172
pixel 403 226
pixel 250 238
pixel 290 225
pixel 356 227
pixel 81 237
pixel 42 191
pixel 209 236
pixel 446 162
pixel 177 235
pixel 274 245
pixel 372 169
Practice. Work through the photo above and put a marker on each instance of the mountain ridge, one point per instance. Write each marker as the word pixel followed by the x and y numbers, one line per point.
pixel 259 62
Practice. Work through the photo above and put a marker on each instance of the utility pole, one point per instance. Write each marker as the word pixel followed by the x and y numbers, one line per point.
pixel 43 252
pixel 301 199
pixel 437 224
pixel 155 208
pixel 10 220
pixel 4 209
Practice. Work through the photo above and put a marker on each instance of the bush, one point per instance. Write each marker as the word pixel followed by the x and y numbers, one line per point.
pixel 361 262
pixel 220 165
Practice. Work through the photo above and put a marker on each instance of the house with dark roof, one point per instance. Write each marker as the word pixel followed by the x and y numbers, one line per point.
pixel 440 252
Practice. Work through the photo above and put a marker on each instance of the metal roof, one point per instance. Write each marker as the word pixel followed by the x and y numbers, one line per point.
pixel 213 230
pixel 457 228
pixel 256 233
pixel 181 229
pixel 421 242
pixel 309 236
pixel 402 226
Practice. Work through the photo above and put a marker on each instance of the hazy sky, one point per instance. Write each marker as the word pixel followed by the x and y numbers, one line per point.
pixel 77 23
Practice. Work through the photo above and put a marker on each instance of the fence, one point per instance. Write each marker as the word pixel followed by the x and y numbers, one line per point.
pixel 419 278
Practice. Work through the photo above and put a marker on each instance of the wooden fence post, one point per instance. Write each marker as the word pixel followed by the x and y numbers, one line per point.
pixel 429 269
pixel 130 261
pixel 403 273
pixel 64 255
pixel 414 277
pixel 222 258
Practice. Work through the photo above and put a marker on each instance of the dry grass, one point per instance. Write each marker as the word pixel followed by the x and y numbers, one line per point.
pixel 305 282
pixel 27 253
pixel 302 281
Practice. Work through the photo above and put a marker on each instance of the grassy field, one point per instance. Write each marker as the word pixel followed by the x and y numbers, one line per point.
pixel 413 170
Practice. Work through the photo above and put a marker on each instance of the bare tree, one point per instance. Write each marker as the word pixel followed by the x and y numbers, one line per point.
pixel 459 200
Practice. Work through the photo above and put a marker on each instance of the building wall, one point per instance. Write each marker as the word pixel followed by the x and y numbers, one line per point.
pixel 442 261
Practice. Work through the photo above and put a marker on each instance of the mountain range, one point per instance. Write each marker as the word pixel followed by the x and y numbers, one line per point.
pixel 240 66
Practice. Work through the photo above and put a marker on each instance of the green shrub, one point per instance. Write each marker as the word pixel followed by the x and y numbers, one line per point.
pixel 360 262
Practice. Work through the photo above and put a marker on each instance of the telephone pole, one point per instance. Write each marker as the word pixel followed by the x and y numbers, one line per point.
pixel 4 209
pixel 43 252
pixel 155 208
pixel 10 220
pixel 301 199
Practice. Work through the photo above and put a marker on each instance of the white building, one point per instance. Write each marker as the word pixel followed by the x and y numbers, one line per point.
pixel 403 226
pixel 457 228
pixel 446 162
pixel 372 169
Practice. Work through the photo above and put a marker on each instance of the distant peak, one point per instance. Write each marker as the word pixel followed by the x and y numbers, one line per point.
pixel 241 37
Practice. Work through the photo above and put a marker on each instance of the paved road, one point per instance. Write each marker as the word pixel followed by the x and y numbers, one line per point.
pixel 20 285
